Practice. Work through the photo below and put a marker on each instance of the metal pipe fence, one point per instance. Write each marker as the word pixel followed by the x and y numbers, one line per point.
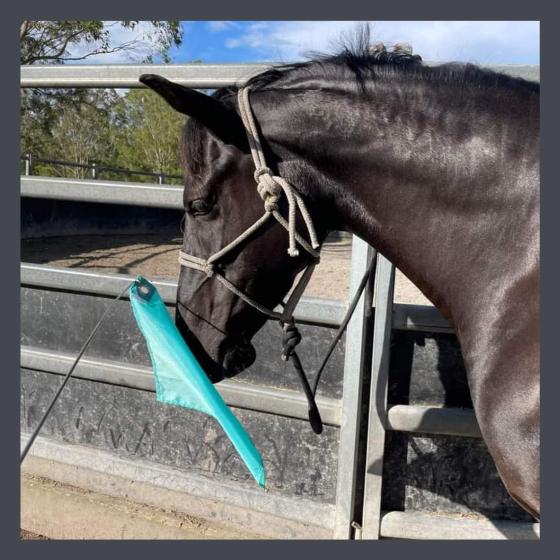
pixel 96 168
pixel 362 353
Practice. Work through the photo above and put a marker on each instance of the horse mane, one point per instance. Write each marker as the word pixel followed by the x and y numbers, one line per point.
pixel 368 62
pixel 365 63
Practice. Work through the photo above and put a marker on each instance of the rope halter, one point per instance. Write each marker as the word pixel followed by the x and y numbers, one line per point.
pixel 270 188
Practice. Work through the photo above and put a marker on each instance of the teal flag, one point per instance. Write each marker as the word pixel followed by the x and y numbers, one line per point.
pixel 179 378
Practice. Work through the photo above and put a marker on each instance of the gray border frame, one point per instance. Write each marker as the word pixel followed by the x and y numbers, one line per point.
pixel 542 10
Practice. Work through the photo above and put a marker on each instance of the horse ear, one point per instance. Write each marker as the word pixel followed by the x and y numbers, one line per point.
pixel 222 121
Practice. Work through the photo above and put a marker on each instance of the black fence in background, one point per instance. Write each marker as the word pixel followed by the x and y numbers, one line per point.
pixel 96 169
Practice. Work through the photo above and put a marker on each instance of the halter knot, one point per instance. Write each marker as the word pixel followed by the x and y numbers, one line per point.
pixel 271 187
pixel 261 171
pixel 270 191
pixel 208 269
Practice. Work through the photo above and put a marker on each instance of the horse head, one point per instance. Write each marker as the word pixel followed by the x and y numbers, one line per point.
pixel 221 201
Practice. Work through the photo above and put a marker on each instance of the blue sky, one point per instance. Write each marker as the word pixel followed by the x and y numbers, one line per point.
pixel 482 42
pixel 513 42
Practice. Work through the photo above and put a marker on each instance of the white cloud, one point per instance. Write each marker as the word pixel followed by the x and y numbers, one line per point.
pixel 476 41
pixel 217 26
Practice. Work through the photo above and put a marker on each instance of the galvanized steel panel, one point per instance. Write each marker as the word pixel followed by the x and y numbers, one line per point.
pixel 200 76
pixel 407 525
pixel 59 320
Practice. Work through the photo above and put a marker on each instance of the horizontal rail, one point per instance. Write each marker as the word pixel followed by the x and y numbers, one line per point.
pixel 433 420
pixel 241 395
pixel 107 192
pixel 43 276
pixel 97 166
pixel 199 76
pixel 409 317
pixel 313 310
pixel 416 525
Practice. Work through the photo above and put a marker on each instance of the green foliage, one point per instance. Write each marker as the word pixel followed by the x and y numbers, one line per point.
pixel 50 42
pixel 138 131
pixel 147 133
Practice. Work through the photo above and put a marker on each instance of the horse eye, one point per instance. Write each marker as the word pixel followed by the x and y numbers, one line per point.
pixel 201 206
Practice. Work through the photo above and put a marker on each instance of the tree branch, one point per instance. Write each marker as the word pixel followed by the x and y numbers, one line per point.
pixel 23 29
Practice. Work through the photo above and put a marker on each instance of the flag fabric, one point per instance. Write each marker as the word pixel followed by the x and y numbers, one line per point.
pixel 179 378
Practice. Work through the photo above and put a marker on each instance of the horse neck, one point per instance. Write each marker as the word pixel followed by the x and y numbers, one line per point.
pixel 414 172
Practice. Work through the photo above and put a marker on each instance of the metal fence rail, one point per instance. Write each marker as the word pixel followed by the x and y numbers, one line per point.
pixel 282 402
pixel 95 167
pixel 109 192
pixel 415 525
pixel 344 413
pixel 200 76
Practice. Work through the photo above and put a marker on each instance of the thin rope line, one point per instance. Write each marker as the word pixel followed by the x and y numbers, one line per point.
pixel 69 374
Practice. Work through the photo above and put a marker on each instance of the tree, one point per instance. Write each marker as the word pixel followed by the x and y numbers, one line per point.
pixel 51 118
pixel 83 134
pixel 148 132
pixel 57 42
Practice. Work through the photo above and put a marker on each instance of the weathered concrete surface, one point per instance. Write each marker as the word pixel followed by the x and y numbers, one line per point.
pixel 60 511
pixel 132 424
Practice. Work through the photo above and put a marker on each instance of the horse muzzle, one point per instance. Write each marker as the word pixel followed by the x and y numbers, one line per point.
pixel 238 357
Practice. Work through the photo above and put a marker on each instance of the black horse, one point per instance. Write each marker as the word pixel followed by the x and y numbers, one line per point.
pixel 436 167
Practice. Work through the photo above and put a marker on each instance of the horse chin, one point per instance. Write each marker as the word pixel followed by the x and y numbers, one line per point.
pixel 219 357
pixel 238 357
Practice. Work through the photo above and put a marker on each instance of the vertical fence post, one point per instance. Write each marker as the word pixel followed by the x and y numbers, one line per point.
pixel 384 291
pixel 356 342
pixel 160 179
pixel 94 170
pixel 28 164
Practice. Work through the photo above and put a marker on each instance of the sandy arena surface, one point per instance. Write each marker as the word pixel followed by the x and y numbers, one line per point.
pixel 27 536
pixel 155 256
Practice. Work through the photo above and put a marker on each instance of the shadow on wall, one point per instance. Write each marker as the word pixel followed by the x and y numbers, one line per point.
pixel 47 218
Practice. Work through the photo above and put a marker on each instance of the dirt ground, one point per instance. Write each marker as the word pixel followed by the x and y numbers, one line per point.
pixel 66 512
pixel 155 256
pixel 27 536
